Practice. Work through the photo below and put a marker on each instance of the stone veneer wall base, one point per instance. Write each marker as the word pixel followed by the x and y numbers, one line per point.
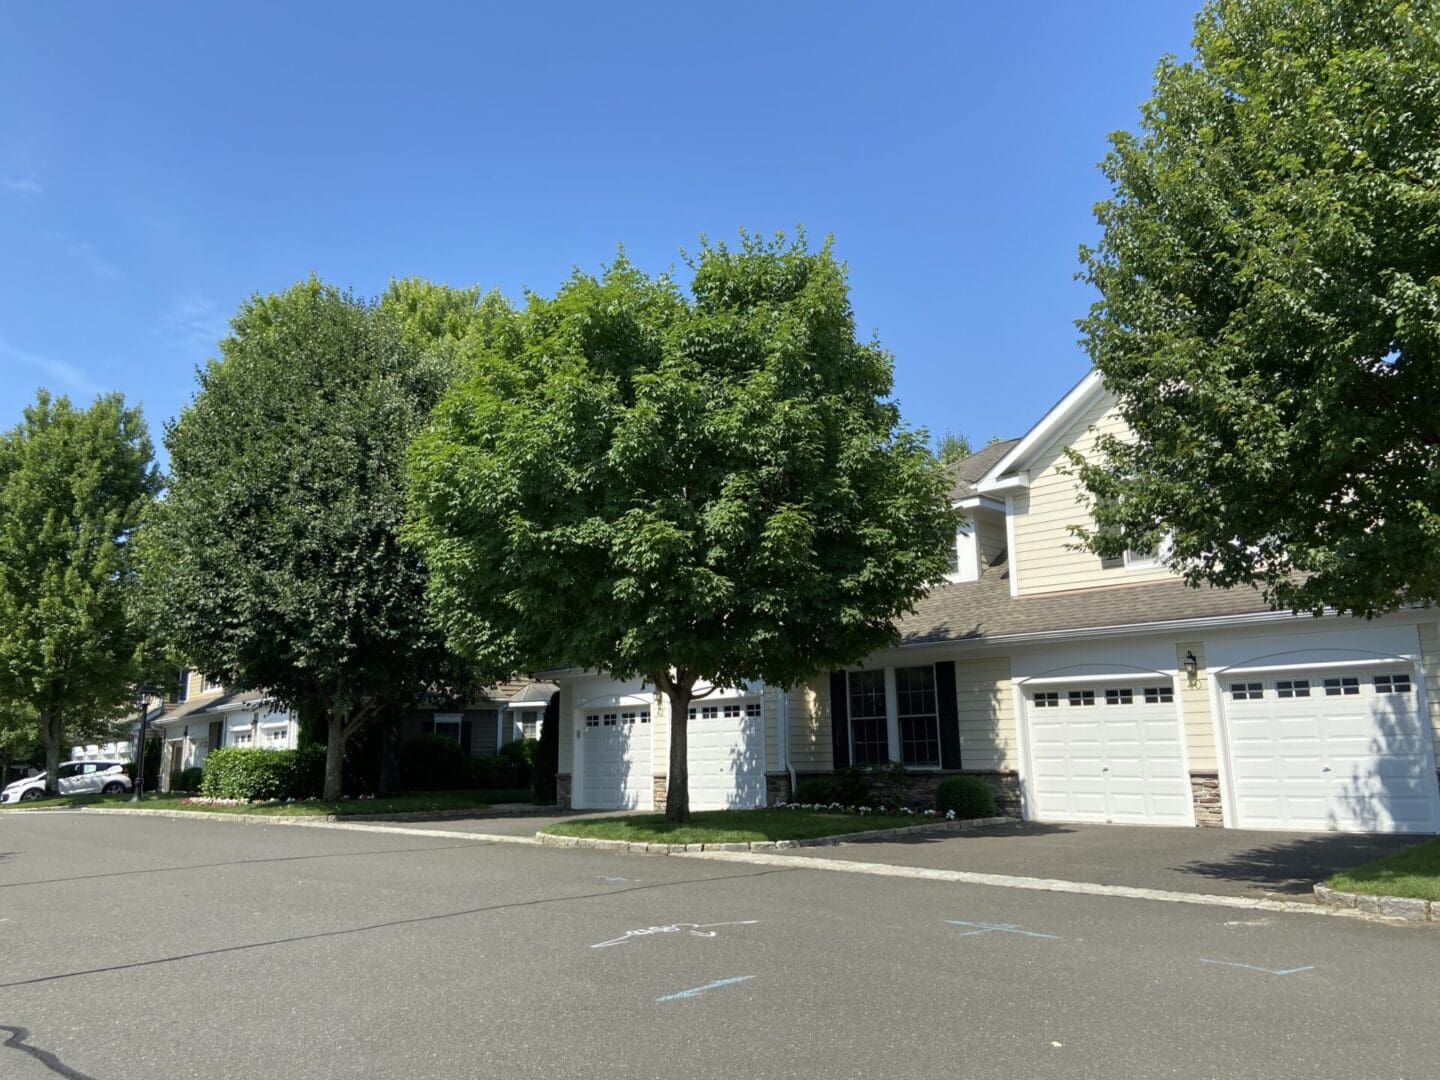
pixel 1205 792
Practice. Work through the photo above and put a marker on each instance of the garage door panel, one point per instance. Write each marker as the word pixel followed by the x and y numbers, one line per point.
pixel 1357 761
pixel 1119 759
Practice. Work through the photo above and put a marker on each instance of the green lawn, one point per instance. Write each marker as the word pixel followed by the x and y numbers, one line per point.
pixel 427 802
pixel 732 826
pixel 1413 872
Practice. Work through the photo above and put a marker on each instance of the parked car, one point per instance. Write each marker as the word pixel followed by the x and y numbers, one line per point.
pixel 74 778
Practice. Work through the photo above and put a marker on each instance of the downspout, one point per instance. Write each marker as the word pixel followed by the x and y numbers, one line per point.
pixel 784 711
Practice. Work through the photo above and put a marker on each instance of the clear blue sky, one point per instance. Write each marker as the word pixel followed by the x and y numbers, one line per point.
pixel 159 165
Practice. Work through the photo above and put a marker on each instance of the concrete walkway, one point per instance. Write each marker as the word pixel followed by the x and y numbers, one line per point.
pixel 1229 862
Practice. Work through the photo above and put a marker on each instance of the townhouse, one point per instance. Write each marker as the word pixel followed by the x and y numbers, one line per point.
pixel 1082 689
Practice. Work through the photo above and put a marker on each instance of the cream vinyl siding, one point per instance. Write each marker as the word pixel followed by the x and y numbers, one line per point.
pixel 565 751
pixel 194 685
pixel 989 534
pixel 660 719
pixel 811 749
pixel 770 713
pixel 1430 664
pixel 1045 559
pixel 1195 707
pixel 986 700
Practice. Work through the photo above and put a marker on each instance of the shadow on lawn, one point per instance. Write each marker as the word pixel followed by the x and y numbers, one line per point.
pixel 1294 865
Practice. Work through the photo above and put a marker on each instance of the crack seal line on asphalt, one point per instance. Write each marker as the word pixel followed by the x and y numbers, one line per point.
pixel 1009 881
pixel 18 1041
pixel 346 931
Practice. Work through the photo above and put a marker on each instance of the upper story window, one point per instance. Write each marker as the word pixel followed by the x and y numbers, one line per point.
pixel 209 685
pixel 182 686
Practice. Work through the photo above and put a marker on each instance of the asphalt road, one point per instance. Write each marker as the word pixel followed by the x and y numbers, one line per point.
pixel 143 948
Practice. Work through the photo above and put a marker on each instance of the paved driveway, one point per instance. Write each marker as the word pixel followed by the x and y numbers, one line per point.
pixel 1230 861
pixel 142 948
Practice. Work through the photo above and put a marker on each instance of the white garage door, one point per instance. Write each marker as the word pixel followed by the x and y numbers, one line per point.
pixel 1108 753
pixel 1343 750
pixel 727 756
pixel 615 759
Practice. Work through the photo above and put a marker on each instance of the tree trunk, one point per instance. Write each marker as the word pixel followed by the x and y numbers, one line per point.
pixel 52 727
pixel 677 791
pixel 334 756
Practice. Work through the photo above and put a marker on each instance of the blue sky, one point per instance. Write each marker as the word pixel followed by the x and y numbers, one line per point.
pixel 159 164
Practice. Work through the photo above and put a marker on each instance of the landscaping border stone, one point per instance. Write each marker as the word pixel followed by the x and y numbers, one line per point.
pixel 1394 907
pixel 636 847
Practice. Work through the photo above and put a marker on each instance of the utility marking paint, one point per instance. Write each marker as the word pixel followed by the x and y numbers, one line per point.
pixel 613 879
pixel 702 930
pixel 697 991
pixel 993 928
pixel 1267 971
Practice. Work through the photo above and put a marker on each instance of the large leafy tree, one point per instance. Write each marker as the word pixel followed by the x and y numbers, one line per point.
pixel 1269 315
pixel 714 487
pixel 74 486
pixel 275 558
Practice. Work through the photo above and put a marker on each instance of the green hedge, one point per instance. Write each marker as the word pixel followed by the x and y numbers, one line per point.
pixel 520 753
pixel 189 779
pixel 968 796
pixel 433 763
pixel 241 773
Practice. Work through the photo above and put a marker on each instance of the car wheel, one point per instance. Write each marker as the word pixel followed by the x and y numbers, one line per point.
pixel 31 794
pixel 112 788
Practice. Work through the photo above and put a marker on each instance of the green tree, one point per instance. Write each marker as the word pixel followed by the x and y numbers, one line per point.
pixel 951 447
pixel 1269 312
pixel 275 561
pixel 74 486
pixel 714 487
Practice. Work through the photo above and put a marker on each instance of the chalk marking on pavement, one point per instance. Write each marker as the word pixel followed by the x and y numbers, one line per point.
pixel 696 929
pixel 1267 971
pixel 697 991
pixel 997 928
pixel 1008 881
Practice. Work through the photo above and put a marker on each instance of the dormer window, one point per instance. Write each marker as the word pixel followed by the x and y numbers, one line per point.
pixel 964 555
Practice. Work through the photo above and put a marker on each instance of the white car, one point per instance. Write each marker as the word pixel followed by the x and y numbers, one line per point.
pixel 73 778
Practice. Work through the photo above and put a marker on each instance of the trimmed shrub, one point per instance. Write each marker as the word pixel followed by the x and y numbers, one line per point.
pixel 889 785
pixel 239 772
pixel 852 785
pixel 521 755
pixel 815 789
pixel 489 772
pixel 433 763
pixel 154 750
pixel 968 796
pixel 187 779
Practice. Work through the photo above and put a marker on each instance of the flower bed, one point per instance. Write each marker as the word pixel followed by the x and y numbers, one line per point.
pixel 888 811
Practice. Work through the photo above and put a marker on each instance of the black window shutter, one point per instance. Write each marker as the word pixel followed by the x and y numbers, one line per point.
pixel 465 735
pixel 427 726
pixel 947 704
pixel 840 718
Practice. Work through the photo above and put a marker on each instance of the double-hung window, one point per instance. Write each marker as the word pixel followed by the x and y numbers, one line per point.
pixel 869 726
pixel 915 708
pixel 448 724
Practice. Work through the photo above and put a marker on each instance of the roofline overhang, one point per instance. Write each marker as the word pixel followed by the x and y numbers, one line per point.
pixel 978 502
pixel 1044 637
pixel 1051 424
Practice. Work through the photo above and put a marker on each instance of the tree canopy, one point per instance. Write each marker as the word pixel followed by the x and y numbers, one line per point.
pixel 275 560
pixel 1269 315
pixel 709 487
pixel 74 486
pixel 951 447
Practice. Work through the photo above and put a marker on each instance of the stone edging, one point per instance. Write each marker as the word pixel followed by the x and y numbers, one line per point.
pixel 636 847
pixel 1396 907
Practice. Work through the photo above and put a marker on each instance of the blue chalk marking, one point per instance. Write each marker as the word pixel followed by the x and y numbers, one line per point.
pixel 1267 971
pixel 1003 928
pixel 697 991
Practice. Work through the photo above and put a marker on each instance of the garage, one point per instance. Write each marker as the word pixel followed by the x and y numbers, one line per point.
pixel 1107 752
pixel 1343 749
pixel 615 755
pixel 727 755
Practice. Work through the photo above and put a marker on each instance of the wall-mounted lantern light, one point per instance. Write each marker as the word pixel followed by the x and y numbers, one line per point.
pixel 1190 665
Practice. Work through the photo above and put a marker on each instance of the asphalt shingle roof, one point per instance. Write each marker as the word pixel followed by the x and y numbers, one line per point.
pixel 977 610
pixel 967 471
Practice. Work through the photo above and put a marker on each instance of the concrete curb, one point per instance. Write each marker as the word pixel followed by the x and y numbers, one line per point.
pixel 634 848
pixel 1007 881
pixel 1394 907
pixel 328 821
